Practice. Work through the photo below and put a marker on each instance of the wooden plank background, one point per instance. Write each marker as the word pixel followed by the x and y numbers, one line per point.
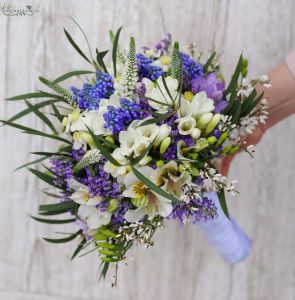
pixel 182 265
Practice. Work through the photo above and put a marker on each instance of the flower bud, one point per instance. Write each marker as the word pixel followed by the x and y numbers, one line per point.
pixel 188 95
pixel 234 149
pixel 201 144
pixel 139 202
pixel 113 205
pixel 75 115
pixel 212 124
pixel 195 171
pixel 204 120
pixel 165 144
pixel 160 163
pixel 211 140
pixel 196 133
pixel 147 159
pixel 222 138
pixel 87 138
pixel 65 121
pixel 181 168
pixel 164 131
pixel 110 139
pixel 193 156
pixel 227 149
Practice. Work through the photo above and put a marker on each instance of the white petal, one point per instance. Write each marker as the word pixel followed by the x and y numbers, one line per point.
pixel 132 216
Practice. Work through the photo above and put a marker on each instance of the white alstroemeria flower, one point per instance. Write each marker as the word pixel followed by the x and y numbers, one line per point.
pixel 152 205
pixel 113 101
pixel 93 217
pixel 118 171
pixel 167 177
pixel 164 132
pixel 201 104
pixel 81 194
pixel 160 94
pixel 186 125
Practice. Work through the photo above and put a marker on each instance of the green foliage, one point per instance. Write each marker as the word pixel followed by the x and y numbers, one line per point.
pixel 115 48
pixel 208 63
pixel 222 202
pixel 120 55
pixel 63 240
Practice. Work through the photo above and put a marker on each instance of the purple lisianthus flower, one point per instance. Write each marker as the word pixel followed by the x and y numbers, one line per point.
pixel 209 84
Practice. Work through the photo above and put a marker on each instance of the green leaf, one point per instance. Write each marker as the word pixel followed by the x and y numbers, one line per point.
pixel 28 110
pixel 103 150
pixel 34 131
pixel 43 176
pixel 208 62
pixel 156 120
pixel 58 206
pixel 154 187
pixel 50 221
pixel 57 113
pixel 53 213
pixel 114 52
pixel 166 88
pixel 235 77
pixel 31 163
pixel 222 201
pixel 71 74
pixel 99 59
pixel 28 96
pixel 41 116
pixel 159 102
pixel 63 240
pixel 79 248
pixel 49 154
pixel 76 46
pixel 237 112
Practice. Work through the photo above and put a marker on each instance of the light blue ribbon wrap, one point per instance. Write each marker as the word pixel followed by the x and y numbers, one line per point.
pixel 225 235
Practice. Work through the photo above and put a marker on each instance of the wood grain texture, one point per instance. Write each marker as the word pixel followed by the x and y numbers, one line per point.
pixel 182 265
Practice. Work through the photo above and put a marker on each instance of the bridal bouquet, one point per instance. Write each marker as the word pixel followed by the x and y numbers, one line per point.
pixel 139 142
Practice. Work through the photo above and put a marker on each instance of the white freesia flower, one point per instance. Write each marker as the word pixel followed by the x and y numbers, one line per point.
pixel 186 125
pixel 81 194
pixel 152 205
pixel 74 121
pixel 201 104
pixel 93 217
pixel 140 146
pixel 185 109
pixel 164 132
pixel 159 93
pixel 149 85
pixel 147 132
pixel 127 140
pixel 118 171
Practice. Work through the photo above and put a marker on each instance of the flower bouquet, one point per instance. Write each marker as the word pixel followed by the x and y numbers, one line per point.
pixel 140 142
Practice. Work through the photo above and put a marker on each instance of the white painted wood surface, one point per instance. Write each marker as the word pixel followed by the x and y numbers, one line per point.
pixel 181 266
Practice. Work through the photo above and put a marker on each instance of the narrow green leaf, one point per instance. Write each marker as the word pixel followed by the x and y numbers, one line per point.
pixel 154 187
pixel 41 116
pixel 49 154
pixel 63 240
pixel 166 88
pixel 208 62
pixel 114 52
pixel 53 213
pixel 28 110
pixel 56 113
pixel 235 76
pixel 79 248
pixel 99 59
pixel 32 131
pixel 31 163
pixel 50 221
pixel 76 46
pixel 222 201
pixel 156 120
pixel 71 74
pixel 28 96
pixel 159 102
pixel 237 112
pixel 43 176
pixel 103 150
pixel 58 206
